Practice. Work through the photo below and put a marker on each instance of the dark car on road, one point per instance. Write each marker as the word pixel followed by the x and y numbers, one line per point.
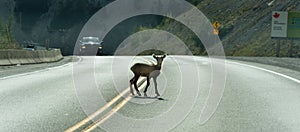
pixel 90 46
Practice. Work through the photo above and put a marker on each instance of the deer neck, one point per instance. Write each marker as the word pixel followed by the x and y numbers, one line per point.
pixel 157 66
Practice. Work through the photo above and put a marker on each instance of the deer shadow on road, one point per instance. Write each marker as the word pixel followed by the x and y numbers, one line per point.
pixel 148 97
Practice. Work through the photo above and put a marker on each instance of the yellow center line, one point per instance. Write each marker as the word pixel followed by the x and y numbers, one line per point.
pixel 111 112
pixel 99 111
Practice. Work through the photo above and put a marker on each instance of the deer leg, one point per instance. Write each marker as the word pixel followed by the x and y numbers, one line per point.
pixel 148 83
pixel 155 85
pixel 135 85
pixel 131 83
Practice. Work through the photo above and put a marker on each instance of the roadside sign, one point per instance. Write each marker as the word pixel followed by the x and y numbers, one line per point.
pixel 293 25
pixel 216 25
pixel 285 24
pixel 216 31
pixel 279 24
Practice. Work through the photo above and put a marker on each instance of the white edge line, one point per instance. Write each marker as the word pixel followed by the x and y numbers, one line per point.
pixel 266 70
pixel 38 71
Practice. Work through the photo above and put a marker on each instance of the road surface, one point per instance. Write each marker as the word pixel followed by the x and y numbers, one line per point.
pixel 255 99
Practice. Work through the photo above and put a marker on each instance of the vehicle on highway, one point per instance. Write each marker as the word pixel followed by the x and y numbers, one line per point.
pixel 90 46
pixel 30 47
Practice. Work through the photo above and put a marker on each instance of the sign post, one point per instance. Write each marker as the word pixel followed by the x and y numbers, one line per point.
pixel 285 25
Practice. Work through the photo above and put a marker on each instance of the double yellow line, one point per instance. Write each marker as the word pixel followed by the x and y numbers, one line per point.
pixel 108 114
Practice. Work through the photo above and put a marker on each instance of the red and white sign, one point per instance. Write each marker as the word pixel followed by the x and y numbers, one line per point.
pixel 279 24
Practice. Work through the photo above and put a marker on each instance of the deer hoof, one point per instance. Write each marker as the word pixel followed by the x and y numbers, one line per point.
pixel 139 93
pixel 157 94
pixel 132 93
pixel 145 95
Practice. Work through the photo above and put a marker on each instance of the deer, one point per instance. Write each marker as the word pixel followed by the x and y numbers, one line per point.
pixel 146 70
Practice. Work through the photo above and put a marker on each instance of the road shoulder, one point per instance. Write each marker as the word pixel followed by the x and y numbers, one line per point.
pixel 292 72
pixel 6 71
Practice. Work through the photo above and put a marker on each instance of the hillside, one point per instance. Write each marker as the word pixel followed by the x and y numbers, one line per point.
pixel 245 29
pixel 246 26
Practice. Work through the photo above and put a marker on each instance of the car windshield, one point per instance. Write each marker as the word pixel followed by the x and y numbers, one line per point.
pixel 90 39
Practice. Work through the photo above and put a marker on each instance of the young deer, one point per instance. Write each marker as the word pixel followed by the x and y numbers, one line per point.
pixel 149 71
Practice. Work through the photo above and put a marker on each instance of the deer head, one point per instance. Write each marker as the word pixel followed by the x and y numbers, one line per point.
pixel 159 59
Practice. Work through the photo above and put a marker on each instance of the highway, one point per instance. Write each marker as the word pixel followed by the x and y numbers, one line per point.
pixel 256 97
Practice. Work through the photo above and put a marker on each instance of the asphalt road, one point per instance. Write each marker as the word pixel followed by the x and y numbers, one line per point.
pixel 255 99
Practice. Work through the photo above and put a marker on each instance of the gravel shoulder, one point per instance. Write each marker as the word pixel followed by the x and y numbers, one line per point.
pixel 20 69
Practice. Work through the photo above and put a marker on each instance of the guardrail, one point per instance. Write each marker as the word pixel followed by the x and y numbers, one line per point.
pixel 15 57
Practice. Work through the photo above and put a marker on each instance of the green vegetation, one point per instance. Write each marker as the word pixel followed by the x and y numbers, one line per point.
pixel 182 32
pixel 245 25
pixel 7 40
pixel 245 28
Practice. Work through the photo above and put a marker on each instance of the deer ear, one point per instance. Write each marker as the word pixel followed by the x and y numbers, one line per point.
pixel 153 55
pixel 164 55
